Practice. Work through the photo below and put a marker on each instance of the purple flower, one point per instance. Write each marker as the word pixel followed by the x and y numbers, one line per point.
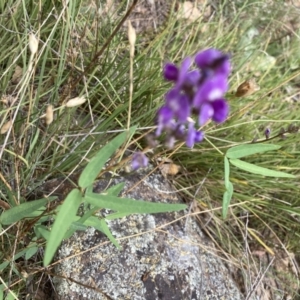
pixel 267 132
pixel 139 160
pixel 200 91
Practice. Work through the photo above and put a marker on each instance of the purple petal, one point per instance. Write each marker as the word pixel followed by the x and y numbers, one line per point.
pixel 199 136
pixel 213 59
pixel 192 77
pixel 211 89
pixel 191 134
pixel 170 72
pixel 139 160
pixel 183 71
pixel 204 58
pixel 184 109
pixel 221 110
pixel 165 116
pixel 172 99
pixel 179 104
pixel 206 112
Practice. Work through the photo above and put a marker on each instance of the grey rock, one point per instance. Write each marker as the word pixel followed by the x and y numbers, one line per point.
pixel 163 256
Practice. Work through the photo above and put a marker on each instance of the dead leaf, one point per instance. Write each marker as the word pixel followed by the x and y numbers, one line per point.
pixel 4 205
pixel 187 10
pixel 247 88
pixel 17 74
pixel 5 127
pixel 169 169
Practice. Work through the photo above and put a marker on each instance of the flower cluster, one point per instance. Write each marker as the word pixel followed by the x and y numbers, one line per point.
pixel 195 92
pixel 199 91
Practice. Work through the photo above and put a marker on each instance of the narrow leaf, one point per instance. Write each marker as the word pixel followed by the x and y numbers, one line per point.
pixel 226 199
pixel 96 164
pixel 261 241
pixel 117 215
pixel 258 170
pixel 248 149
pixel 75 226
pixel 115 190
pixel 226 171
pixel 130 205
pixel 107 232
pixel 4 265
pixel 78 223
pixel 22 211
pixel 64 219
pixel 100 224
pixel 43 231
pixel 30 252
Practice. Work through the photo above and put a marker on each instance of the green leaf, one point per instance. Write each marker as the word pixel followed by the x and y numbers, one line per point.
pixel 107 232
pixel 42 231
pixel 248 149
pixel 11 296
pixel 226 171
pixel 93 168
pixel 74 227
pixel 258 170
pixel 115 190
pixel 100 224
pixel 64 219
pixel 4 265
pixel 130 205
pixel 22 211
pixel 30 252
pixel 117 215
pixel 226 199
pixel 78 224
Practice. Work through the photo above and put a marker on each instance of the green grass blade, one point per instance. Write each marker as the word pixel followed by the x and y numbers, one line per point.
pixel 22 211
pixel 258 170
pixel 64 219
pixel 249 149
pixel 130 205
pixel 96 164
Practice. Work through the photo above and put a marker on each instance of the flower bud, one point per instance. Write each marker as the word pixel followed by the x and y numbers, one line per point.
pixel 131 38
pixel 49 114
pixel 75 101
pixel 33 43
